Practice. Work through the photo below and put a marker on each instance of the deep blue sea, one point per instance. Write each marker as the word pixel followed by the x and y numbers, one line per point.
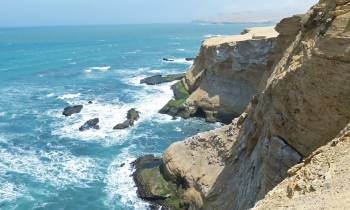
pixel 45 161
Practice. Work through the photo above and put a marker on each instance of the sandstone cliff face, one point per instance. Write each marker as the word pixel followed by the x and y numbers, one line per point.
pixel 321 182
pixel 226 74
pixel 303 104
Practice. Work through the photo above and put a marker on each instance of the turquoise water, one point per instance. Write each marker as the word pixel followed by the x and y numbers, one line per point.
pixel 45 162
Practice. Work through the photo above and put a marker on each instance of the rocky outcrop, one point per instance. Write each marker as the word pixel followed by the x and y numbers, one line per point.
pixel 321 181
pixel 175 106
pixel 132 116
pixel 152 186
pixel 301 105
pixel 226 73
pixel 159 79
pixel 90 124
pixel 70 110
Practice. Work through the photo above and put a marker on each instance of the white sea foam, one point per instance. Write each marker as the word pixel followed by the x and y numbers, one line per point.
pixel 148 102
pixel 212 35
pixel 2 114
pixel 58 168
pixel 10 192
pixel 97 68
pixel 181 50
pixel 136 80
pixel 155 71
pixel 119 182
pixel 69 96
pixel 50 95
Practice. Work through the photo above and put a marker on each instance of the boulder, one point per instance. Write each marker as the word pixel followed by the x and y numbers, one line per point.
pixel 70 110
pixel 123 125
pixel 159 79
pixel 189 59
pixel 132 116
pixel 90 124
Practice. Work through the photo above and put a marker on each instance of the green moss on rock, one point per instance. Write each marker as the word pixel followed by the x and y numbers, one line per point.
pixel 175 107
pixel 153 187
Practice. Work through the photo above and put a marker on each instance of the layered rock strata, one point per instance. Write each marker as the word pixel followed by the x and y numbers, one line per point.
pixel 302 104
pixel 226 74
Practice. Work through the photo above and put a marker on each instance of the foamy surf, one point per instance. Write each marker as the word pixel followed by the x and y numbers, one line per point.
pixel 69 96
pixel 120 184
pixel 57 168
pixel 148 102
pixel 98 68
pixel 10 191
pixel 212 35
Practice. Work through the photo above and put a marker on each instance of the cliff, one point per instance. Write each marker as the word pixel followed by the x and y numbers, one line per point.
pixel 303 103
pixel 321 182
pixel 225 75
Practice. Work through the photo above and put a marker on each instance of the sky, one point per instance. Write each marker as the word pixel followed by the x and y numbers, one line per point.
pixel 93 12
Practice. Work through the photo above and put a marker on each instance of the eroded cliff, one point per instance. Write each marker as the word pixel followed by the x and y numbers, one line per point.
pixel 225 75
pixel 303 103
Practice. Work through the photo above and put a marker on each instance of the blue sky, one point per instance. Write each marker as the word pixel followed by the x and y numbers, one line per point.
pixel 82 12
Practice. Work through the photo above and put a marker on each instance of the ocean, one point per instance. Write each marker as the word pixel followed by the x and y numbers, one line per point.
pixel 45 161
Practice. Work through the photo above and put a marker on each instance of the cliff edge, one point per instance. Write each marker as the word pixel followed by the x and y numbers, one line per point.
pixel 225 75
pixel 303 104
pixel 300 105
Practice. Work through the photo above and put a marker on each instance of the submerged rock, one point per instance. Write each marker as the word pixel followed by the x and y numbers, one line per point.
pixel 189 59
pixel 159 79
pixel 132 116
pixel 90 124
pixel 70 110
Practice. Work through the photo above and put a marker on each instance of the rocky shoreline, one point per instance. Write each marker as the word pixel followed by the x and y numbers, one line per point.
pixel 295 112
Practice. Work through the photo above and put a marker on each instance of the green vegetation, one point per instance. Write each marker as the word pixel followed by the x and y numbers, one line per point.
pixel 153 187
pixel 175 106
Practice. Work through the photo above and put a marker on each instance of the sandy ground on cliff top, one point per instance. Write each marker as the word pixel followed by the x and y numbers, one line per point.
pixel 251 33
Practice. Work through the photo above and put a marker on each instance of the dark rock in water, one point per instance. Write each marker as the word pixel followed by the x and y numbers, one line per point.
pixel 152 186
pixel 132 116
pixel 122 165
pixel 189 59
pixel 159 79
pixel 90 102
pixel 68 111
pixel 90 124
pixel 168 59
pixel 123 125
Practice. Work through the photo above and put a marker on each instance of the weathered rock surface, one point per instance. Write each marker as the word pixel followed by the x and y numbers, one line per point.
pixel 159 79
pixel 226 73
pixel 175 107
pixel 70 110
pixel 301 105
pixel 152 186
pixel 132 116
pixel 321 181
pixel 90 124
